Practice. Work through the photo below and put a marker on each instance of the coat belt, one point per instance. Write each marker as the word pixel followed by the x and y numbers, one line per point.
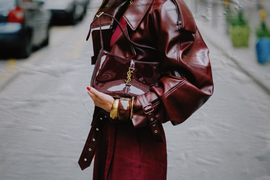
pixel 92 141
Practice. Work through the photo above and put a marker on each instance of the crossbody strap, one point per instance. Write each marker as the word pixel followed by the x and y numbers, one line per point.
pixel 179 21
pixel 101 38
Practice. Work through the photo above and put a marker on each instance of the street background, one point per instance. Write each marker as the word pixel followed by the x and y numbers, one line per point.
pixel 45 112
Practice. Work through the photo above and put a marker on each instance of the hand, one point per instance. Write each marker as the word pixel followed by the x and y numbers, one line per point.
pixel 100 99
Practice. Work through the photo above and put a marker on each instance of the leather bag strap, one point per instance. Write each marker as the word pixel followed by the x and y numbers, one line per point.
pixel 179 22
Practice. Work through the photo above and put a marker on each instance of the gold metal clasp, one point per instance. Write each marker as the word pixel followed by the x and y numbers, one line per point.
pixel 100 14
pixel 129 74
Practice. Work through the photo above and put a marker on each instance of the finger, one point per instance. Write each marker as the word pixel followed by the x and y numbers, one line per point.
pixel 96 92
pixel 94 98
pixel 89 91
pixel 91 95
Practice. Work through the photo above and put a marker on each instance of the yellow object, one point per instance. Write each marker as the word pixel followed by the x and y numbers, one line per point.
pixel 114 110
pixel 226 2
pixel 98 15
pixel 129 74
pixel 131 109
pixel 263 14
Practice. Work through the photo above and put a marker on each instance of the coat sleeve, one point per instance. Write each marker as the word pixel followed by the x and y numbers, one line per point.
pixel 186 77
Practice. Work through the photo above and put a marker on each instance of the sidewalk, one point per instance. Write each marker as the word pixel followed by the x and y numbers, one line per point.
pixel 214 32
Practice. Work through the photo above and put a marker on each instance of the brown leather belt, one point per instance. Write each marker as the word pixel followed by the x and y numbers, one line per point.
pixel 93 138
pixel 153 122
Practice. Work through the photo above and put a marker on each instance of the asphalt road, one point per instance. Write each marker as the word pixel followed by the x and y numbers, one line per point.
pixel 45 116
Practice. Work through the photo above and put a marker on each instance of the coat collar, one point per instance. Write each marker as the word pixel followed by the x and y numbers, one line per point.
pixel 133 15
pixel 136 12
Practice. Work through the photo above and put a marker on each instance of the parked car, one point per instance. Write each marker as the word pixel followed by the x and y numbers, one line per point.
pixel 84 4
pixel 24 24
pixel 64 11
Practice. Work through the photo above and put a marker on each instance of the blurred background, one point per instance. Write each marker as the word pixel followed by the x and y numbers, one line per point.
pixel 45 112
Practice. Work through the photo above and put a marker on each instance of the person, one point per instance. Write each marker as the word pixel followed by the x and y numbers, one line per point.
pixel 134 148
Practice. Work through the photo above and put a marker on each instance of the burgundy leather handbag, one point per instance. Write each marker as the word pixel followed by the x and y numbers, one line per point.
pixel 122 77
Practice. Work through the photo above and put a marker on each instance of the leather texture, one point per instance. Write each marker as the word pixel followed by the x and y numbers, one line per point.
pixel 122 77
pixel 185 78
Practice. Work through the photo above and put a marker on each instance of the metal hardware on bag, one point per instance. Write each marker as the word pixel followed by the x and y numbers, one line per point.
pixel 126 77
pixel 148 109
pixel 100 14
pixel 179 24
pixel 129 74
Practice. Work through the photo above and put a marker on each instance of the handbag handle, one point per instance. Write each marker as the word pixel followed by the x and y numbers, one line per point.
pixel 101 38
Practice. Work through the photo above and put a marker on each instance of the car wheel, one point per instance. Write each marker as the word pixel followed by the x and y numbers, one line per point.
pixel 73 20
pixel 26 50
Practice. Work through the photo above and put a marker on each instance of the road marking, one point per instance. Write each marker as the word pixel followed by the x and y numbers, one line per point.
pixel 10 68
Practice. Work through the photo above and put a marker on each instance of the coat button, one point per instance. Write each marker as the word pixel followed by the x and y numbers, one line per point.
pixel 100 118
pixel 105 117
pixel 152 119
pixel 97 129
pixel 90 149
pixel 156 131
pixel 94 139
pixel 85 159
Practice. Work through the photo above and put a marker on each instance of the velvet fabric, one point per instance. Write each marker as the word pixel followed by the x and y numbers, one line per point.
pixel 128 153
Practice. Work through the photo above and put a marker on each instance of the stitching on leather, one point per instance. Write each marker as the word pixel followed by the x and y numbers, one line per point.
pixel 173 89
pixel 132 27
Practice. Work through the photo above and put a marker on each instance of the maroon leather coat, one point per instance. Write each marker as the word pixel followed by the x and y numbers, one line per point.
pixel 129 150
